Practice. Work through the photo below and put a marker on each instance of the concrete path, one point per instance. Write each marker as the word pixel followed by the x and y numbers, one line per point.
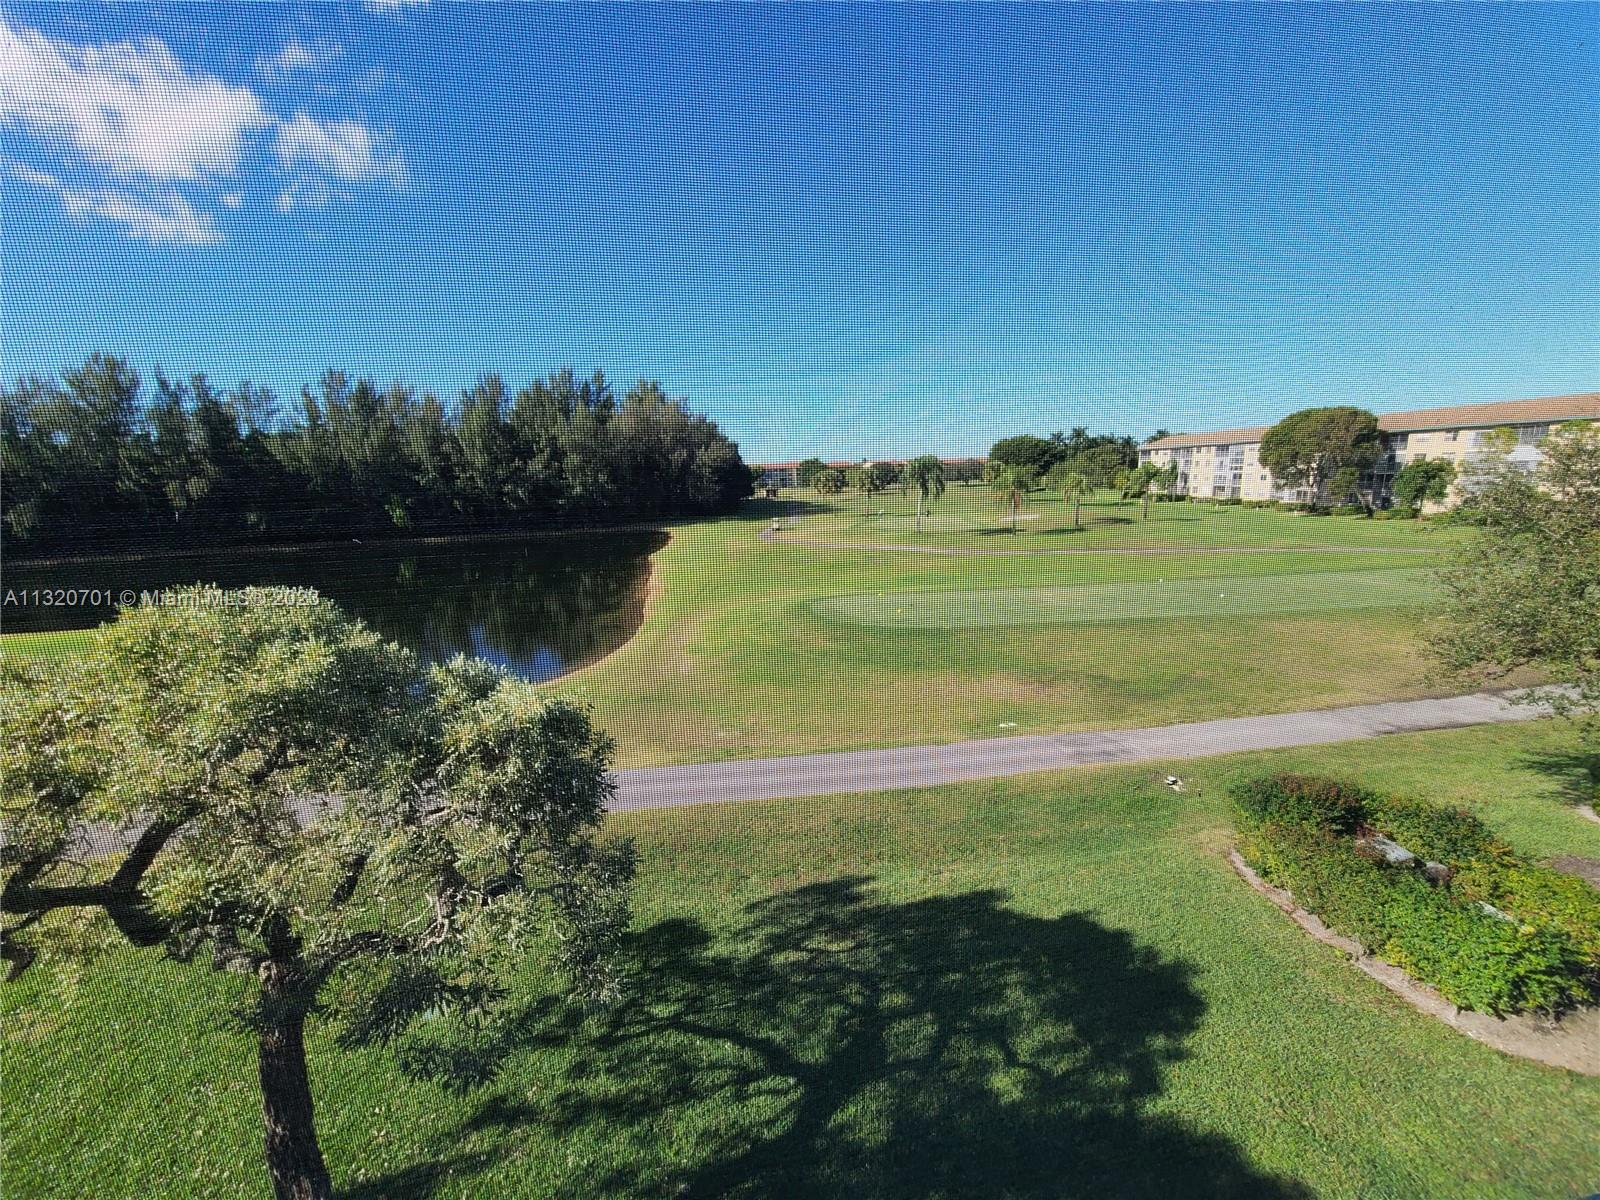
pixel 925 766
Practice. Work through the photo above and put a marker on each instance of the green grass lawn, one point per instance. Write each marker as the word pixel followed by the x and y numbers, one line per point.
pixel 758 647
pixel 970 518
pixel 1221 597
pixel 755 647
pixel 41 647
pixel 1038 987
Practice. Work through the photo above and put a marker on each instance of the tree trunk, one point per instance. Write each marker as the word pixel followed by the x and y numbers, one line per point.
pixel 1076 506
pixel 919 512
pixel 294 1159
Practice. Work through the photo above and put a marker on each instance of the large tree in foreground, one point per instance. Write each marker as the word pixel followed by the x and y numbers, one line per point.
pixel 1321 449
pixel 926 475
pixel 1525 590
pixel 170 790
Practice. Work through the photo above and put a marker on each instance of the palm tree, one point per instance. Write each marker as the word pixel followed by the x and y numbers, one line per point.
pixel 1166 479
pixel 1141 484
pixel 1010 484
pixel 926 474
pixel 1121 481
pixel 1074 487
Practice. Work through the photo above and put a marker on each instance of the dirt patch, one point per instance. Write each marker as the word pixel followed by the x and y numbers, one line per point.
pixel 1583 868
pixel 1573 1042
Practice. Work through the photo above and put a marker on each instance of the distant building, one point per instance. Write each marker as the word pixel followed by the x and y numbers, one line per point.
pixel 787 474
pixel 1226 464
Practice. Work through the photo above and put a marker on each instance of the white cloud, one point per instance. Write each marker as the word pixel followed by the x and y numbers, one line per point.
pixel 345 149
pixel 165 219
pixel 304 194
pixel 296 56
pixel 135 113
pixel 394 5
pixel 132 107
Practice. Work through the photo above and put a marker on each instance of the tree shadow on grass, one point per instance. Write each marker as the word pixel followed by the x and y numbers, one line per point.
pixel 1576 773
pixel 838 1044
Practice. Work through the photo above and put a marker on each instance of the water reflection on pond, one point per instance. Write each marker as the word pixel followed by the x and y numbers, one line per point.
pixel 541 607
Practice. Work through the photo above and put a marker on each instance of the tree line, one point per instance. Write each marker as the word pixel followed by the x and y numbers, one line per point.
pixel 1098 457
pixel 96 459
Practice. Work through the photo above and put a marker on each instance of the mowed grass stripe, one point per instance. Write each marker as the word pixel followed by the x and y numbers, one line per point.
pixel 1093 604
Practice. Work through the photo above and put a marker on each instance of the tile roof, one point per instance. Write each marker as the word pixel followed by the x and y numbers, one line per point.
pixel 1458 416
pixel 1488 416
pixel 1252 433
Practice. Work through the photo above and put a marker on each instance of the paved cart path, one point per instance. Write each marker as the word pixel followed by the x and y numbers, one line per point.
pixel 954 762
pixel 925 766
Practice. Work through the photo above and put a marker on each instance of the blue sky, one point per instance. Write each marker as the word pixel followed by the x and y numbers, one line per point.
pixel 838 230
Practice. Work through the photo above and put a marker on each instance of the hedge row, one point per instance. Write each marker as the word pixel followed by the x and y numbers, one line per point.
pixel 1499 935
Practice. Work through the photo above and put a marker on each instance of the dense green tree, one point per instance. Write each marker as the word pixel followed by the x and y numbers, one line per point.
pixel 807 470
pixel 1308 449
pixel 925 475
pixel 830 481
pixel 466 835
pixel 876 477
pixel 965 470
pixel 1098 464
pixel 92 462
pixel 1035 454
pixel 1524 590
pixel 1421 480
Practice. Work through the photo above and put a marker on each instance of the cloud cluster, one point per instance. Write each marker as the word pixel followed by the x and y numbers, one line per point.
pixel 347 150
pixel 297 57
pixel 137 116
pixel 165 218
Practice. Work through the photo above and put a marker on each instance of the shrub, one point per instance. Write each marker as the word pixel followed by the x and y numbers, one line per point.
pixel 1351 510
pixel 1327 875
pixel 1297 832
pixel 1452 836
pixel 1289 799
pixel 1538 896
pixel 1476 959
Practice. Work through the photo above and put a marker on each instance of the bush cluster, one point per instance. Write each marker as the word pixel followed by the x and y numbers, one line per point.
pixel 1500 934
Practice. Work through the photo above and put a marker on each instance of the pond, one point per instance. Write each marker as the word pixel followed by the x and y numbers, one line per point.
pixel 541 607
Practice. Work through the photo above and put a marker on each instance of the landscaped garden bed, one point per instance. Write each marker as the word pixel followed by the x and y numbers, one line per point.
pixel 1429 890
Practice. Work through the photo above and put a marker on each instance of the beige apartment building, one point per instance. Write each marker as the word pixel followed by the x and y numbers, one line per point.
pixel 1226 464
